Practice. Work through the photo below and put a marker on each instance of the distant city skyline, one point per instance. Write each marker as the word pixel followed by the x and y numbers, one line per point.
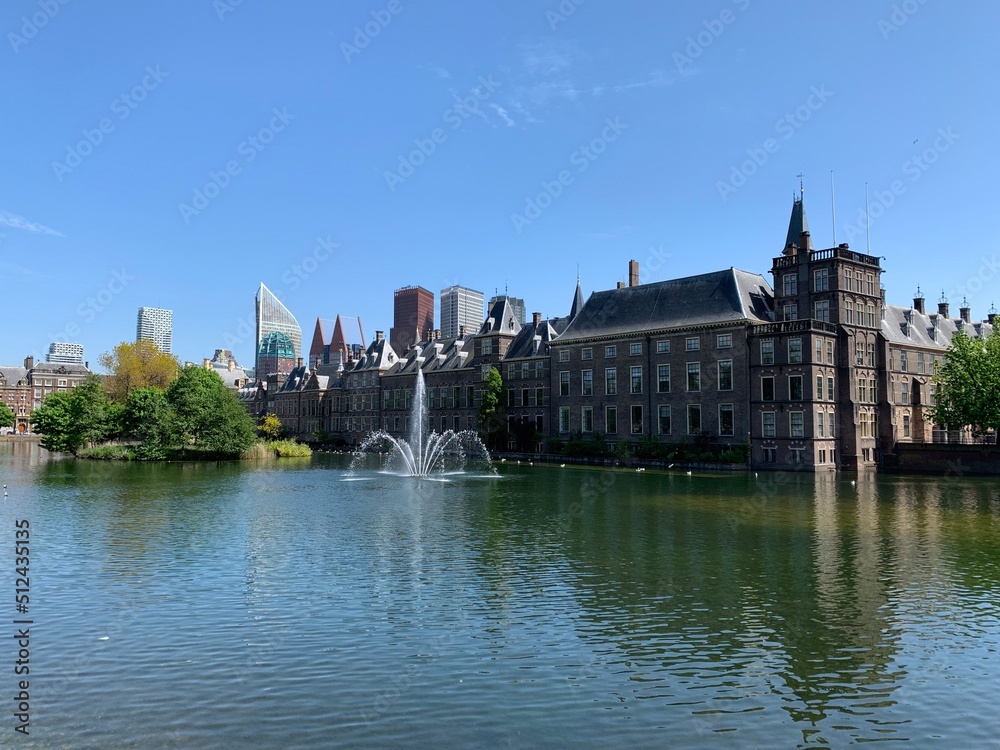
pixel 461 308
pixel 157 325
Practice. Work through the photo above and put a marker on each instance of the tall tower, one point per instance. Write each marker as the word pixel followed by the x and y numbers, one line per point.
pixel 274 317
pixel 460 307
pixel 413 317
pixel 156 325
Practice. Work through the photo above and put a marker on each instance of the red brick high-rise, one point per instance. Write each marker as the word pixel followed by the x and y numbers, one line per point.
pixel 413 317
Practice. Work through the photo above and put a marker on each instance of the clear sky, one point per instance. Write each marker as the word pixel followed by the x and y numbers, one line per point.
pixel 176 154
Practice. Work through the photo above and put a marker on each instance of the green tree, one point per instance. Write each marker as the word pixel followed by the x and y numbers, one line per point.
pixel 137 365
pixel 968 384
pixel 91 410
pixel 208 414
pixel 6 416
pixel 269 427
pixel 490 410
pixel 55 422
pixel 149 418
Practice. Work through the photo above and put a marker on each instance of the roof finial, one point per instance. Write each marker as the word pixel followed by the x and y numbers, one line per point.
pixel 920 295
pixel 802 188
pixel 993 309
pixel 943 298
pixel 577 273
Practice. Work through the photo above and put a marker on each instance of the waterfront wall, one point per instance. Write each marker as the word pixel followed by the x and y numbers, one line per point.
pixel 950 460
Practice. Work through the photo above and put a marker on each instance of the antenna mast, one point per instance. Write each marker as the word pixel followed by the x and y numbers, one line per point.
pixel 833 207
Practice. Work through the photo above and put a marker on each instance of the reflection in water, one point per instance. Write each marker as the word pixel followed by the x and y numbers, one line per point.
pixel 276 604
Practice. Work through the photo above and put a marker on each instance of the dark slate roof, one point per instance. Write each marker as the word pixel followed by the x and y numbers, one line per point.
pixel 60 368
pixel 378 356
pixel 501 319
pixel 728 296
pixel 296 380
pixel 906 326
pixel 577 302
pixel 12 374
pixel 797 224
pixel 533 341
pixel 435 356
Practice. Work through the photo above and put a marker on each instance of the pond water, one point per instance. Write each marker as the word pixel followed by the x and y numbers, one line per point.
pixel 278 605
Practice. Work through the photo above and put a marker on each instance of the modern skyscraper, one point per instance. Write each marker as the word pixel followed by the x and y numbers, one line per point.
pixel 63 353
pixel 413 317
pixel 460 307
pixel 156 325
pixel 274 317
pixel 516 304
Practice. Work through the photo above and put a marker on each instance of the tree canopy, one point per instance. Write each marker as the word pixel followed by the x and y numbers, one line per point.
pixel 207 413
pixel 6 416
pixel 137 365
pixel 70 420
pixel 490 407
pixel 968 385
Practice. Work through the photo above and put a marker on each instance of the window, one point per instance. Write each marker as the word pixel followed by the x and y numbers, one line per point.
pixel 694 419
pixel 563 383
pixel 829 389
pixel 767 389
pixel 524 397
pixel 694 376
pixel 822 311
pixel 484 371
pixel 636 379
pixel 794 351
pixel 849 313
pixel 587 383
pixel 863 390
pixel 724 340
pixel 790 284
pixel 662 347
pixel 692 344
pixel 563 419
pixel 663 379
pixel 726 375
pixel 790 312
pixel 819 387
pixel 564 355
pixel 611 381
pixel 587 419
pixel 634 350
pixel 456 397
pixel 470 394
pixel 794 387
pixel 870 285
pixel 829 352
pixel 795 424
pixel 821 280
pixel 819 352
pixel 387 397
pixel 871 316
pixel 871 355
pixel 610 352
pixel 611 420
pixel 539 397
pixel 906 425
pixel 796 455
pixel 767 352
pixel 904 392
pixel 539 369
pixel 859 353
pixel 62 382
pixel 587 354
pixel 727 423
pixel 408 398
pixel 487 345
pixel 902 361
pixel 920 363
pixel 525 370
pixel 847 280
pixel 820 427
pixel 636 419
pixel 770 455
pixel 767 423
pixel 663 424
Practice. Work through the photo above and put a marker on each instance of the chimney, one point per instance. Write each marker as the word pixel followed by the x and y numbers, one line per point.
pixel 87 364
pixel 992 318
pixel 437 334
pixel 29 362
pixel 461 332
pixel 621 285
pixel 298 362
pixel 805 242
pixel 965 311
pixel 918 301
pixel 206 363
pixel 633 273
pixel 943 307
pixel 379 335
pixel 232 365
pixel 536 318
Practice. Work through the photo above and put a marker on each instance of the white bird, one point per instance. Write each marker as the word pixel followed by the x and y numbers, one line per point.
pixel 755 475
pixel 671 466
pixel 518 462
pixel 853 483
pixel 689 473
pixel 562 466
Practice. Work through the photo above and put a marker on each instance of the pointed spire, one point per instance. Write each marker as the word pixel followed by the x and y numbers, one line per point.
pixel 577 298
pixel 797 224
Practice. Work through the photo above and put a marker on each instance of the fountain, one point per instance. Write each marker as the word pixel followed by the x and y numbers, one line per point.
pixel 426 453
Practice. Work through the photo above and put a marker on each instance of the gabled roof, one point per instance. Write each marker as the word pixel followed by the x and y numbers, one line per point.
pixel 436 356
pixel 904 325
pixel 533 340
pixel 378 356
pixel 577 301
pixel 728 296
pixel 13 374
pixel 296 380
pixel 501 319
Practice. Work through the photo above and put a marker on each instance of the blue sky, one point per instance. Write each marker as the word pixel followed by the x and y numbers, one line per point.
pixel 177 154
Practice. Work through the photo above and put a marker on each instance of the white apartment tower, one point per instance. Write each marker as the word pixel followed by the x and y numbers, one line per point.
pixel 461 307
pixel 156 325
